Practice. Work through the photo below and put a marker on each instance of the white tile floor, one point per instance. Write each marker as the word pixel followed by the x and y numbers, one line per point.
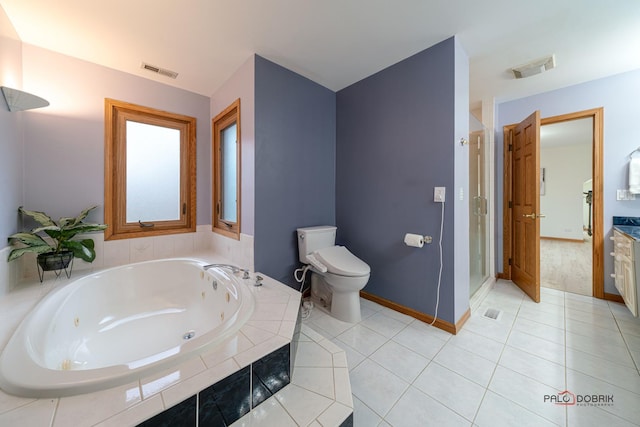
pixel 494 372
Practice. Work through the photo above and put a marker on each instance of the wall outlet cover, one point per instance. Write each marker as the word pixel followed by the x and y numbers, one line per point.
pixel 439 194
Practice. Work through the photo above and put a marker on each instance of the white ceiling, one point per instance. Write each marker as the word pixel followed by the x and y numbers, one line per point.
pixel 338 42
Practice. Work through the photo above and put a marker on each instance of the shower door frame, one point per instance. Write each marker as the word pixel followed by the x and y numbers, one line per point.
pixel 480 211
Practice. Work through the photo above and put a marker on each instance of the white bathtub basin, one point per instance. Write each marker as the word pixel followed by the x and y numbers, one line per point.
pixel 121 324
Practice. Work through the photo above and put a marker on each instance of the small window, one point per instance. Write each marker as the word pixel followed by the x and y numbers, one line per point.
pixel 226 173
pixel 150 166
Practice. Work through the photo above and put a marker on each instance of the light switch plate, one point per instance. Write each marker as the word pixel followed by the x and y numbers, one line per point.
pixel 625 195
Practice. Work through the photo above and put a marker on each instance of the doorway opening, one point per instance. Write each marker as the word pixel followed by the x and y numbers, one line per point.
pixel 593 212
pixel 566 196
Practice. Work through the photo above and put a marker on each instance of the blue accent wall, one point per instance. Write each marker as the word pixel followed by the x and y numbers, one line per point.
pixel 395 143
pixel 295 155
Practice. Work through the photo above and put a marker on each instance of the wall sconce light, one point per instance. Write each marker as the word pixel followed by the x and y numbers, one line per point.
pixel 18 100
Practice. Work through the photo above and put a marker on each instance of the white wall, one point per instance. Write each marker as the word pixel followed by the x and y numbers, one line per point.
pixel 11 147
pixel 459 200
pixel 11 144
pixel 566 169
pixel 52 159
pixel 242 85
pixel 64 143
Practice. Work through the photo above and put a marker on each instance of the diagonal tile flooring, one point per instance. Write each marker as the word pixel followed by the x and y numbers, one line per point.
pixel 494 372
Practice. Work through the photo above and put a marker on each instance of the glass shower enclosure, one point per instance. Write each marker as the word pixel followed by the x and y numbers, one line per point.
pixel 478 205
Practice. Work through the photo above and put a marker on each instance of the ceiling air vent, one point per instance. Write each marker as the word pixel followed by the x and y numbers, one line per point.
pixel 535 67
pixel 158 70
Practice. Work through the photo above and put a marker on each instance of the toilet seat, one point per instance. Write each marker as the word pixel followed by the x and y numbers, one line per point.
pixel 341 262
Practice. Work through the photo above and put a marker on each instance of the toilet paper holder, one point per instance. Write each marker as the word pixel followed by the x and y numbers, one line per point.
pixel 416 240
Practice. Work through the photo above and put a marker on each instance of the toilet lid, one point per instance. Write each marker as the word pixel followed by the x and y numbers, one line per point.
pixel 340 261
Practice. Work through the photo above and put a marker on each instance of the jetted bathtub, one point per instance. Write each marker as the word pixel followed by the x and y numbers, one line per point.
pixel 121 324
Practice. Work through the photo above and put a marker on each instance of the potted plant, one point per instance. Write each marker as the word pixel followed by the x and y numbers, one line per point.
pixel 57 253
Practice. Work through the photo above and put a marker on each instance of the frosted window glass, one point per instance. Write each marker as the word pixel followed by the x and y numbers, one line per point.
pixel 229 181
pixel 153 173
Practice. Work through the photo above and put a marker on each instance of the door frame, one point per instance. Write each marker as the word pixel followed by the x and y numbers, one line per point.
pixel 597 114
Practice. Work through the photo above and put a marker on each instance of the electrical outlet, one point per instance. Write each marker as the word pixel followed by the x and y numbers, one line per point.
pixel 438 194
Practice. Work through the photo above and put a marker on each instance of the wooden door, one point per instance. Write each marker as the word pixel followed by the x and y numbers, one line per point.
pixel 525 257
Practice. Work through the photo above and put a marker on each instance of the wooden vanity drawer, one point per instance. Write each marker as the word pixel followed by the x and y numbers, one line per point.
pixel 625 270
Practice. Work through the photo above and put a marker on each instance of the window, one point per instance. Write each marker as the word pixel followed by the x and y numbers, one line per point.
pixel 150 169
pixel 226 171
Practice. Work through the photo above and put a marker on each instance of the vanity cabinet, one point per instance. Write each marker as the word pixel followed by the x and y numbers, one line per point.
pixel 626 280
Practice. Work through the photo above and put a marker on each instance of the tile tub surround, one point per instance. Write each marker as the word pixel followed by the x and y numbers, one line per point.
pixel 112 253
pixel 319 393
pixel 271 327
pixel 231 398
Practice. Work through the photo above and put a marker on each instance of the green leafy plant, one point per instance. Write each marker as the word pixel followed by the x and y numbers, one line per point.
pixel 61 234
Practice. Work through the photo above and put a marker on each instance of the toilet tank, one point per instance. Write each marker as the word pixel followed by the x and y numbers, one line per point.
pixel 311 239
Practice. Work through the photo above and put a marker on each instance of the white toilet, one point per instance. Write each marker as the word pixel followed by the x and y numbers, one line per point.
pixel 337 276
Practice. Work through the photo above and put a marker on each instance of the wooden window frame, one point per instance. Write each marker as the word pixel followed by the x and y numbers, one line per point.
pixel 117 113
pixel 223 120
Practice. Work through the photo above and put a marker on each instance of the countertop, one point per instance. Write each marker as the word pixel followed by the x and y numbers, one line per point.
pixel 627 225
pixel 632 231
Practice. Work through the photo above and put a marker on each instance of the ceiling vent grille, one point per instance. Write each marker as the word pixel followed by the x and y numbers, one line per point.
pixel 535 67
pixel 158 70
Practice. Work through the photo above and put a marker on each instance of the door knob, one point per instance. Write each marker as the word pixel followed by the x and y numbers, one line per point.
pixel 534 216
